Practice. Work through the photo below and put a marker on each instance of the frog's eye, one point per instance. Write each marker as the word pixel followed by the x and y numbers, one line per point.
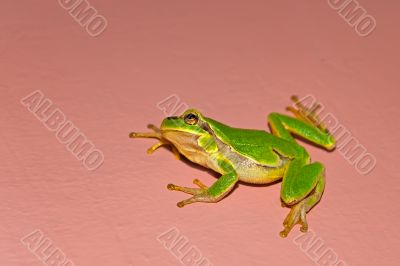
pixel 191 119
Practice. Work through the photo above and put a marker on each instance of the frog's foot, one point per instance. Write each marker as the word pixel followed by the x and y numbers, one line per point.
pixel 162 143
pixel 156 135
pixel 308 115
pixel 154 128
pixel 199 194
pixel 297 215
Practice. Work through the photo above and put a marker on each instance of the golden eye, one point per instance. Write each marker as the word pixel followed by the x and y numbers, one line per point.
pixel 191 119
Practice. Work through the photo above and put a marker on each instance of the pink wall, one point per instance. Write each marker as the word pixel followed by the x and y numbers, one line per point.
pixel 236 62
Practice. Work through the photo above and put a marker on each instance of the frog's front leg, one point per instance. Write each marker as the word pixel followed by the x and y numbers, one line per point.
pixel 302 188
pixel 209 194
pixel 156 134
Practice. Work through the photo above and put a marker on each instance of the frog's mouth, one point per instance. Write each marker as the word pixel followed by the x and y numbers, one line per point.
pixel 185 143
pixel 180 139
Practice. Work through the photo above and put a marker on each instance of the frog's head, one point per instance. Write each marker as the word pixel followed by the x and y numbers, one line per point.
pixel 188 124
pixel 186 132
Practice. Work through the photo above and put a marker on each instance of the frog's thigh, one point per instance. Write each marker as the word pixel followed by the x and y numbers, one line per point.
pixel 299 180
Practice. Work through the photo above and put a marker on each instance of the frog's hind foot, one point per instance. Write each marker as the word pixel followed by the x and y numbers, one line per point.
pixel 308 115
pixel 298 212
pixel 297 215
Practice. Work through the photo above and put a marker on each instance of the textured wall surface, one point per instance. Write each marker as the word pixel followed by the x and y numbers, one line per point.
pixel 236 62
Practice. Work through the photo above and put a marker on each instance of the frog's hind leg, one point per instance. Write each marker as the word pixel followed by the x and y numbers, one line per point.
pixel 301 190
pixel 305 124
pixel 284 126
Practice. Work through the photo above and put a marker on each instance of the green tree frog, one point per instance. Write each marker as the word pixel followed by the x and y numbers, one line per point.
pixel 252 156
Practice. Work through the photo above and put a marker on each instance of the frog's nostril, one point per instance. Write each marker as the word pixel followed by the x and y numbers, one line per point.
pixel 172 117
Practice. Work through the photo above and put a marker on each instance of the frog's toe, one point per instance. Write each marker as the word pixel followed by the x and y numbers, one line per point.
pixel 186 202
pixel 192 191
pixel 199 194
pixel 199 183
pixel 296 215
pixel 156 135
pixel 154 128
pixel 307 114
pixel 202 197
pixel 155 147
pixel 187 190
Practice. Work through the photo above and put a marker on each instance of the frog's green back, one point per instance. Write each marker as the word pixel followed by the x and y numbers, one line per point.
pixel 255 144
